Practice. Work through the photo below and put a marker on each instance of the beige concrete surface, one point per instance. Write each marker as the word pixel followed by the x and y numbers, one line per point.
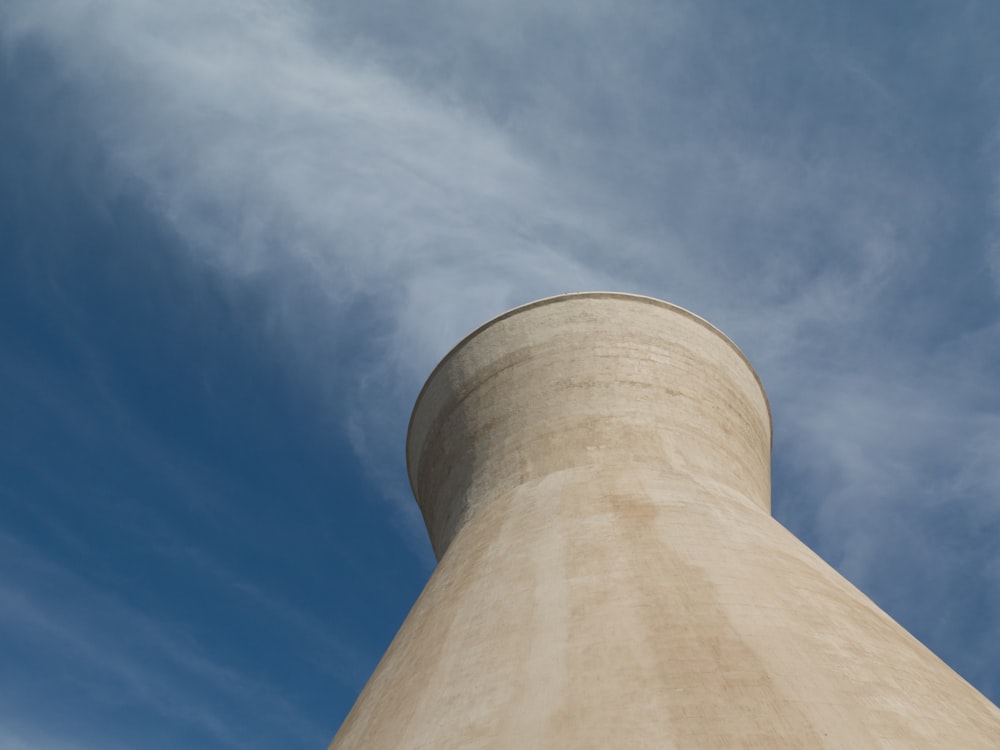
pixel 594 472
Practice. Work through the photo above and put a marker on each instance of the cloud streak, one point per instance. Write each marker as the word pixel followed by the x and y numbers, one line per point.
pixel 133 660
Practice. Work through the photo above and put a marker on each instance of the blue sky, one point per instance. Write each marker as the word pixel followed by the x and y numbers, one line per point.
pixel 236 236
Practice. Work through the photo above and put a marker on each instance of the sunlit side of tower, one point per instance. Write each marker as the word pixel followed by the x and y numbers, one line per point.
pixel 594 472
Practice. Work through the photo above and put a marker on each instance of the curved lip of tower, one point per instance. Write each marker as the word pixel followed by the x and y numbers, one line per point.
pixel 642 298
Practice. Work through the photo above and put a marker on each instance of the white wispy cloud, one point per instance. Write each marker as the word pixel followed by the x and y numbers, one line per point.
pixel 13 737
pixel 125 657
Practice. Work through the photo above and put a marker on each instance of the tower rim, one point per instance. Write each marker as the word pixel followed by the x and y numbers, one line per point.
pixel 565 297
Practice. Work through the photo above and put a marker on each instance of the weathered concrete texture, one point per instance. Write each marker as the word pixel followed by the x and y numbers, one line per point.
pixel 594 471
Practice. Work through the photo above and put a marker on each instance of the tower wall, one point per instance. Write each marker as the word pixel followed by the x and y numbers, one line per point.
pixel 594 472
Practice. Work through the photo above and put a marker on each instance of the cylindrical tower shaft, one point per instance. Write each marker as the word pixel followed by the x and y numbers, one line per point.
pixel 594 472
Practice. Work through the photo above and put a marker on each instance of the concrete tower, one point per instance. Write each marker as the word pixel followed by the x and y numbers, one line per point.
pixel 594 472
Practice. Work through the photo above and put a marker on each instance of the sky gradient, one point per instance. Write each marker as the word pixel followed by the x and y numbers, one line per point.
pixel 236 237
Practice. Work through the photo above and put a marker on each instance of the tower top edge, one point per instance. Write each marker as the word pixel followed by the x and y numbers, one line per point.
pixel 567 297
